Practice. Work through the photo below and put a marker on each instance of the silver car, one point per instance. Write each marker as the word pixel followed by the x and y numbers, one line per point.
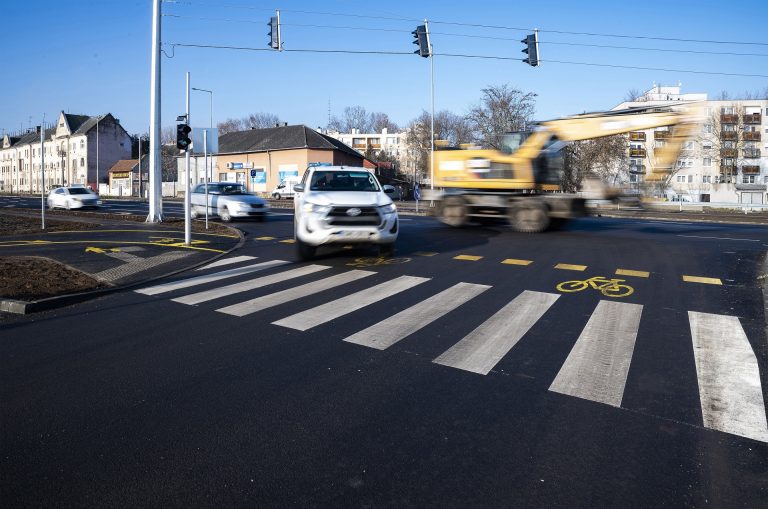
pixel 228 201
pixel 72 198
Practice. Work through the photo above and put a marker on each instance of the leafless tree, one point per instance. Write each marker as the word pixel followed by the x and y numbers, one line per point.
pixel 502 109
pixel 453 128
pixel 258 120
pixel 603 158
pixel 353 117
pixel 632 95
pixel 381 121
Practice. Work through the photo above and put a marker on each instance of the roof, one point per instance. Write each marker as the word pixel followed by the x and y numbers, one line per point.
pixel 75 121
pixel 280 138
pixel 34 137
pixel 123 165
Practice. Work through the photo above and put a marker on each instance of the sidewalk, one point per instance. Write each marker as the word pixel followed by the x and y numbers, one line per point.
pixel 116 253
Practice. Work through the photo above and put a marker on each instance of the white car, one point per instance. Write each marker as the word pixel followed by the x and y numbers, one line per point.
pixel 228 201
pixel 285 188
pixel 72 198
pixel 345 205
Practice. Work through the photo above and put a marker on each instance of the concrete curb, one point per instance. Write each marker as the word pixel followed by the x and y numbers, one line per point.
pixel 26 307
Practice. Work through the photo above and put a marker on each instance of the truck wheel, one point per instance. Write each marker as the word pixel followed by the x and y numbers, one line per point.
pixel 528 216
pixel 453 211
pixel 306 251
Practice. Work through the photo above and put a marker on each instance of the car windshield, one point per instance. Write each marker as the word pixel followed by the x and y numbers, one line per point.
pixel 343 181
pixel 233 189
pixel 78 190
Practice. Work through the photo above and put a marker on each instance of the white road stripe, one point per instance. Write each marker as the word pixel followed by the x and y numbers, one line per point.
pixel 485 346
pixel 340 307
pixel 388 332
pixel 597 367
pixel 208 278
pixel 718 238
pixel 275 299
pixel 728 375
pixel 251 284
pixel 227 261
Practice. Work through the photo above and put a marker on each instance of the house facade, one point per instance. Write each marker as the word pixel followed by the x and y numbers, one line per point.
pixel 78 149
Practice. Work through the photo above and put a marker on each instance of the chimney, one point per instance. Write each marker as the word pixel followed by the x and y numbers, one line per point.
pixel 383 130
pixel 285 124
pixel 277 124
pixel 37 129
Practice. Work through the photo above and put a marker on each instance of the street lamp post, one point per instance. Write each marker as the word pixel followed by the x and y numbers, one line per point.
pixel 62 153
pixel 205 151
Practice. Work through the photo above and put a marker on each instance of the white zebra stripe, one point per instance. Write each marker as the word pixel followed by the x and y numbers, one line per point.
pixel 388 332
pixel 277 298
pixel 227 261
pixel 340 307
pixel 209 278
pixel 485 346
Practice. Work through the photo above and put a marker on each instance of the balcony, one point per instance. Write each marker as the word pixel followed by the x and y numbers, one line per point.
pixel 750 187
pixel 728 135
pixel 729 152
pixel 727 170
pixel 751 153
pixel 636 152
pixel 359 145
pixel 637 169
pixel 752 118
pixel 751 135
pixel 637 136
pixel 729 118
pixel 751 169
pixel 660 135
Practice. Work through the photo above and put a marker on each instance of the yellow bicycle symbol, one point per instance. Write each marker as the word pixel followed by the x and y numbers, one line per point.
pixel 608 287
pixel 380 260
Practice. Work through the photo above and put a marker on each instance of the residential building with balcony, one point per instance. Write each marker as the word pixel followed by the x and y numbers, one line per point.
pixel 78 149
pixel 393 144
pixel 726 161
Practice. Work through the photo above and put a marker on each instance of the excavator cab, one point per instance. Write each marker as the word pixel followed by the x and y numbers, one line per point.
pixel 549 165
pixel 512 141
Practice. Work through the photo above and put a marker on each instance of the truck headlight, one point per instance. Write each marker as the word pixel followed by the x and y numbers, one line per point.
pixel 312 208
pixel 388 209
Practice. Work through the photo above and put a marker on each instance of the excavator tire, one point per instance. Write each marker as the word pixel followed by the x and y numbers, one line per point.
pixel 453 211
pixel 528 216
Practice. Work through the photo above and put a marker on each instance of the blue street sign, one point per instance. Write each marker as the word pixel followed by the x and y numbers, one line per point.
pixel 416 192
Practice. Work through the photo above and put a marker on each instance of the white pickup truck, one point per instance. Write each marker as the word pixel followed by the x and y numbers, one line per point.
pixel 342 204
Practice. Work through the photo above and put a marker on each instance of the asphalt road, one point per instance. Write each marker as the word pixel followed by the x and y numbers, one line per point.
pixel 455 375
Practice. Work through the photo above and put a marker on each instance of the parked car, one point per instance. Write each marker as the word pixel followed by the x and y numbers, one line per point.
pixel 346 205
pixel 228 201
pixel 75 197
pixel 285 188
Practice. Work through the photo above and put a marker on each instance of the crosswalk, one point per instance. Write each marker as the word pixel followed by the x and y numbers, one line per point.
pixel 596 369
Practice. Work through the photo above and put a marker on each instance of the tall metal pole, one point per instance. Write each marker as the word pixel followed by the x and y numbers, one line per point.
pixel 432 90
pixel 187 180
pixel 97 154
pixel 205 149
pixel 42 174
pixel 155 159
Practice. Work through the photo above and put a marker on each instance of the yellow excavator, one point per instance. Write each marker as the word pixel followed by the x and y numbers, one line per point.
pixel 522 181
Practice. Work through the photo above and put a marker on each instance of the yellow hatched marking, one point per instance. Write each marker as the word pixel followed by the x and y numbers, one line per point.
pixel 635 273
pixel 568 266
pixel 469 258
pixel 264 238
pixel 705 280
pixel 288 241
pixel 514 261
pixel 425 253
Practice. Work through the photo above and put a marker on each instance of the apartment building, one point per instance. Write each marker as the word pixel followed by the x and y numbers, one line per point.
pixel 725 162
pixel 78 149
pixel 393 144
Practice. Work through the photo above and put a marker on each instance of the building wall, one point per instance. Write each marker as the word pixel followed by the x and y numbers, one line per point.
pixel 392 143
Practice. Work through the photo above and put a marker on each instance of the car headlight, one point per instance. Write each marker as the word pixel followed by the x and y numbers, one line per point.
pixel 388 209
pixel 316 209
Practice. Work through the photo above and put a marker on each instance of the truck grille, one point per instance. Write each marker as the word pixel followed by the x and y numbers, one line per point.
pixel 368 216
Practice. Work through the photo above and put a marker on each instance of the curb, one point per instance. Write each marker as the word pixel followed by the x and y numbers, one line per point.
pixel 26 307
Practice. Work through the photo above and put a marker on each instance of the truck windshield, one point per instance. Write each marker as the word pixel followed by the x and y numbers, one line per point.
pixel 510 142
pixel 343 181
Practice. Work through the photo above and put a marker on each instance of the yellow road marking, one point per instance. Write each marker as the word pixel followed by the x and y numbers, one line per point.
pixel 288 241
pixel 469 258
pixel 705 280
pixel 180 245
pixel 265 238
pixel 635 273
pixel 425 253
pixel 101 250
pixel 514 261
pixel 568 266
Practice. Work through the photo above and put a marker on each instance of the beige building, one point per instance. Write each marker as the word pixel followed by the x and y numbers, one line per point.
pixel 261 158
pixel 727 160
pixel 393 144
pixel 78 149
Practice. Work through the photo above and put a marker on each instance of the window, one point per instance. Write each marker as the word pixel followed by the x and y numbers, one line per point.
pixel 726 110
pixel 729 128
pixel 706 145
pixel 708 128
pixel 681 178
pixel 690 178
pixel 707 179
pixel 82 144
pixel 689 163
pixel 748 179
pixel 358 141
pixel 688 145
pixel 707 161
pixel 82 162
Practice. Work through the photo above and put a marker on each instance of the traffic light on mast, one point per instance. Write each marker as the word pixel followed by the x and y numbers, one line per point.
pixel 183 141
pixel 421 39
pixel 274 32
pixel 531 42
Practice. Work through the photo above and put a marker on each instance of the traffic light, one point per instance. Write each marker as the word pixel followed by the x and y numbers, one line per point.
pixel 531 42
pixel 182 137
pixel 421 39
pixel 274 32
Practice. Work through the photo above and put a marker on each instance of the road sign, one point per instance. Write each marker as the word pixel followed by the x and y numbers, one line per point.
pixel 416 192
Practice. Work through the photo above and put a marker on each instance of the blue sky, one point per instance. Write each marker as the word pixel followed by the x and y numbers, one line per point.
pixel 94 57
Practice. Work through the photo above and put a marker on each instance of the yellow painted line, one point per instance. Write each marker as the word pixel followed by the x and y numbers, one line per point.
pixel 568 266
pixel 469 258
pixel 635 273
pixel 425 253
pixel 113 242
pixel 288 241
pixel 514 261
pixel 265 238
pixel 705 280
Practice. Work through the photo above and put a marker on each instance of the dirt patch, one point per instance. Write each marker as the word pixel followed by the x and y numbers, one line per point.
pixel 31 278
pixel 22 225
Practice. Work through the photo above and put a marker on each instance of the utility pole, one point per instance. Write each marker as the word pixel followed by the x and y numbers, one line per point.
pixel 432 86
pixel 42 174
pixel 187 181
pixel 155 159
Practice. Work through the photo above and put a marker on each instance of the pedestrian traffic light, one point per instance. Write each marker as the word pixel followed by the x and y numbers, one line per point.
pixel 531 42
pixel 183 140
pixel 421 39
pixel 274 32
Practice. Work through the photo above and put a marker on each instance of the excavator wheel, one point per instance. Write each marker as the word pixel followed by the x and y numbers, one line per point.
pixel 528 216
pixel 453 211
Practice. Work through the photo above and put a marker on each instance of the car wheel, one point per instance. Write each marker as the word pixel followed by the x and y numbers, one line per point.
pixel 306 251
pixel 225 215
pixel 387 250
